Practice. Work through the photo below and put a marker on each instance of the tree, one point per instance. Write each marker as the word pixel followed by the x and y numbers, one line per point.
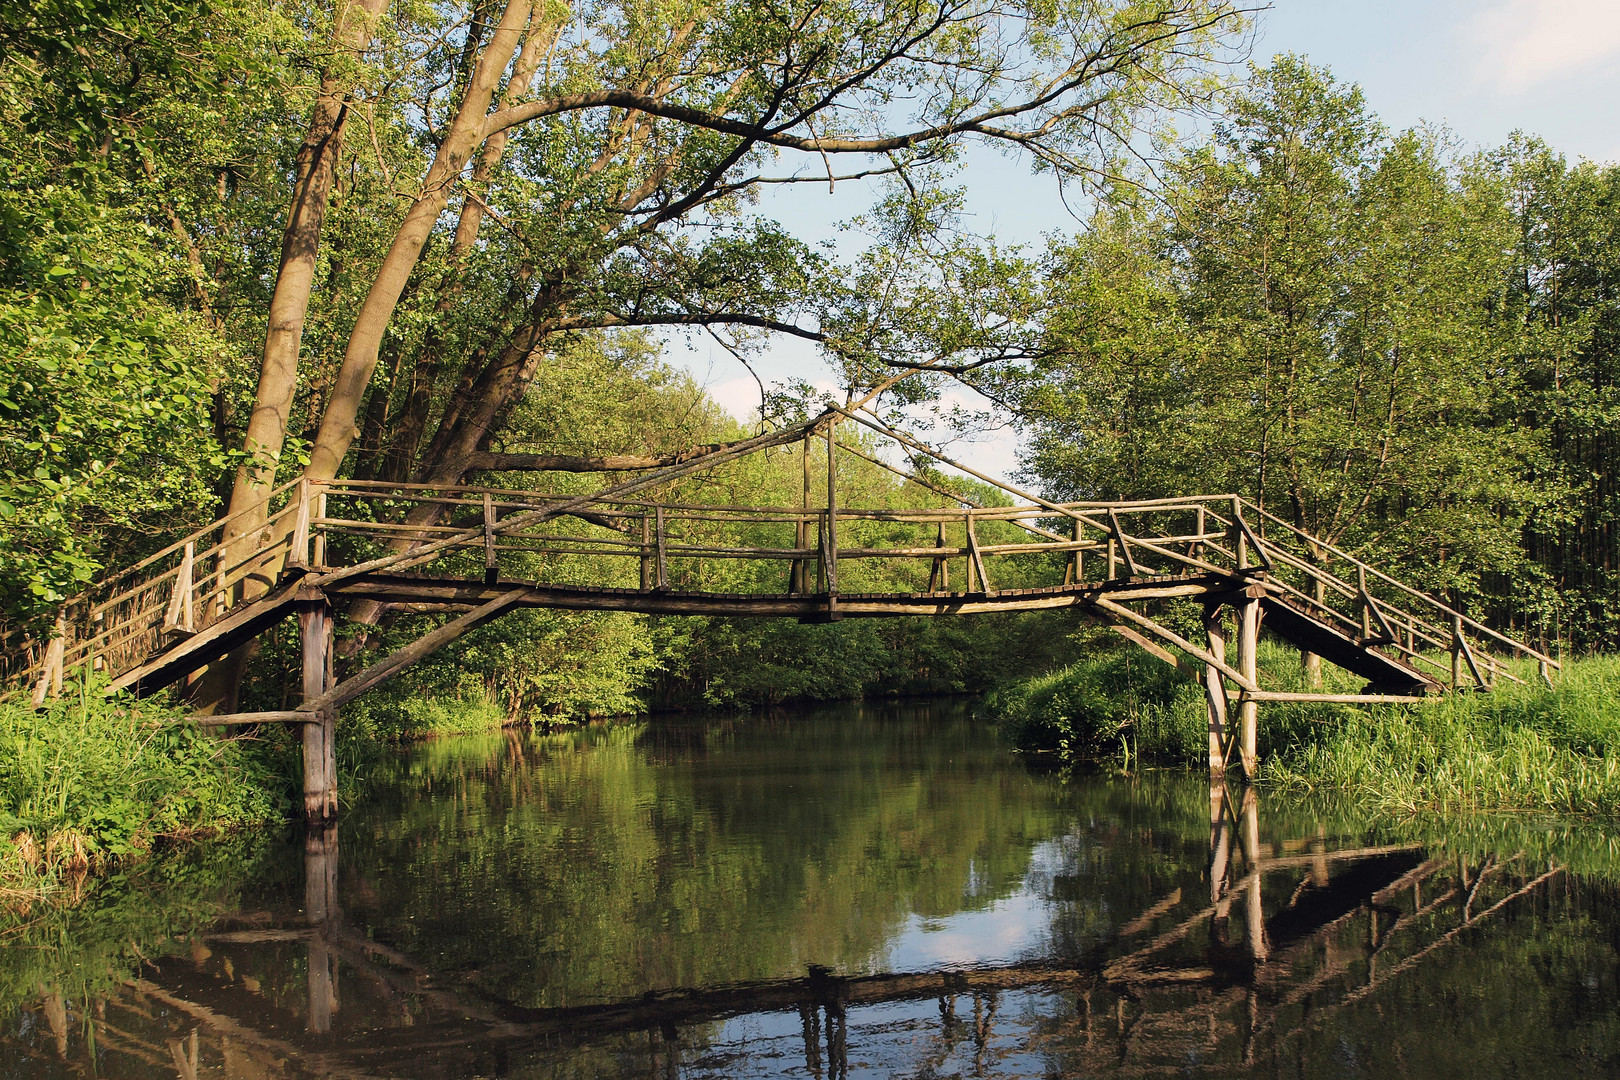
pixel 617 148
pixel 1314 318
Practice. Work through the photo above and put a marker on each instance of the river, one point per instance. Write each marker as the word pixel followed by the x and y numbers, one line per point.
pixel 860 891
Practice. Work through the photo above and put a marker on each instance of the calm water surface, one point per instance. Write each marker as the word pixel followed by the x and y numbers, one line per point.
pixel 852 892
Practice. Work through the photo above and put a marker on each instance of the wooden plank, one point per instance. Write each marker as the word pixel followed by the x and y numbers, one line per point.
pixel 352 688
pixel 1243 680
pixel 492 566
pixel 179 616
pixel 282 716
pixel 1118 535
pixel 298 552
pixel 978 559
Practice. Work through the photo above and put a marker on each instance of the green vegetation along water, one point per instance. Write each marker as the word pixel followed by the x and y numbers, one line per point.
pixel 852 891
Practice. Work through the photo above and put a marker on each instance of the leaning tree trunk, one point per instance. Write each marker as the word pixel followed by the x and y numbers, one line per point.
pixel 354 24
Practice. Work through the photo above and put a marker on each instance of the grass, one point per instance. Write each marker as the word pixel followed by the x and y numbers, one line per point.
pixel 89 782
pixel 1519 748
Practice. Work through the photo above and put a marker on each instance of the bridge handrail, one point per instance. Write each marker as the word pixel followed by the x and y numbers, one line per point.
pixel 1416 594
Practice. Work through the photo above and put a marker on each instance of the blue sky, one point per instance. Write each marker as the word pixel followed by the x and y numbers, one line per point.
pixel 1482 68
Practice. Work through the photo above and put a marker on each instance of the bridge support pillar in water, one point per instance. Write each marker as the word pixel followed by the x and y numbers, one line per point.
pixel 320 758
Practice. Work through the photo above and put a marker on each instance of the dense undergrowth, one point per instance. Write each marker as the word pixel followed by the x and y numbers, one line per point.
pixel 1520 747
pixel 89 782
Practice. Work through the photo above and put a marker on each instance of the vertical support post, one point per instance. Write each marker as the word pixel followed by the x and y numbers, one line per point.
pixel 646 552
pixel 1248 664
pixel 1240 536
pixel 662 563
pixel 973 583
pixel 492 566
pixel 1457 653
pixel 939 576
pixel 1216 701
pixel 1363 601
pixel 1198 545
pixel 1311 663
pixel 298 552
pixel 801 528
pixel 319 540
pixel 179 615
pixel 976 558
pixel 1079 556
pixel 320 759
pixel 1113 557
pixel 50 674
pixel 832 512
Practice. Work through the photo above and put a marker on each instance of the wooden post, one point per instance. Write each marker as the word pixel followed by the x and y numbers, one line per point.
pixel 1197 545
pixel 1457 653
pixel 320 760
pixel 646 552
pixel 662 562
pixel 180 615
pixel 492 566
pixel 801 528
pixel 298 553
pixel 975 559
pixel 1248 666
pixel 967 542
pixel 1079 556
pixel 50 674
pixel 1215 693
pixel 1240 539
pixel 1311 663
pixel 832 513
pixel 319 540
pixel 939 576
pixel 1113 557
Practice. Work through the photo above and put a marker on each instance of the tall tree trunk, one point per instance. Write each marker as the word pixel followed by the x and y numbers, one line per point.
pixel 461 140
pixel 354 23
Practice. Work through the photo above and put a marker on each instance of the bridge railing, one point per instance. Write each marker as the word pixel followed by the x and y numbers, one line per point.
pixel 643 544
pixel 122 619
pixel 1382 612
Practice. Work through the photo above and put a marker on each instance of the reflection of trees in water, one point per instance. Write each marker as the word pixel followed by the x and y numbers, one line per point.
pixel 1181 941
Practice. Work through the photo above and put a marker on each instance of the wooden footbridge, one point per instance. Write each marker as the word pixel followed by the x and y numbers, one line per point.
pixel 480 552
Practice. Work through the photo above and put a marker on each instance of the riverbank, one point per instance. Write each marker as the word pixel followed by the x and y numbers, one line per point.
pixel 88 783
pixel 1519 748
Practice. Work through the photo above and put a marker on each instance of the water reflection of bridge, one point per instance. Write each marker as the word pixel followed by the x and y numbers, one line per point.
pixel 1290 934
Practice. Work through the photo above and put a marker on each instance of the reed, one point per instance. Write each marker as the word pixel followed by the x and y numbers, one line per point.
pixel 88 782
pixel 1519 748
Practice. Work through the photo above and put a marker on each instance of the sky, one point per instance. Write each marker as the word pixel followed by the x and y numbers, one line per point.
pixel 1482 68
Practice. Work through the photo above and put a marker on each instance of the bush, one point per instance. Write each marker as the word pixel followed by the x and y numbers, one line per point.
pixel 91 780
pixel 1112 703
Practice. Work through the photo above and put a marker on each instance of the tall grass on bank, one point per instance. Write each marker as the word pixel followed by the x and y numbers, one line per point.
pixel 1515 748
pixel 89 781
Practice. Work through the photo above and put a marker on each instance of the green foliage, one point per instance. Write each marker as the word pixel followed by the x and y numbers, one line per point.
pixel 1520 748
pixel 90 780
pixel 1316 318
pixel 1112 703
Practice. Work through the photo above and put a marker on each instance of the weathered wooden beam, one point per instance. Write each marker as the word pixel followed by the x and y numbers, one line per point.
pixel 180 615
pixel 1216 703
pixel 353 687
pixel 276 716
pixel 492 566
pixel 1244 680
pixel 1249 663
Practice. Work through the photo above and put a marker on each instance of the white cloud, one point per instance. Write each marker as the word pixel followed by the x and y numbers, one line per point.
pixel 1525 44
